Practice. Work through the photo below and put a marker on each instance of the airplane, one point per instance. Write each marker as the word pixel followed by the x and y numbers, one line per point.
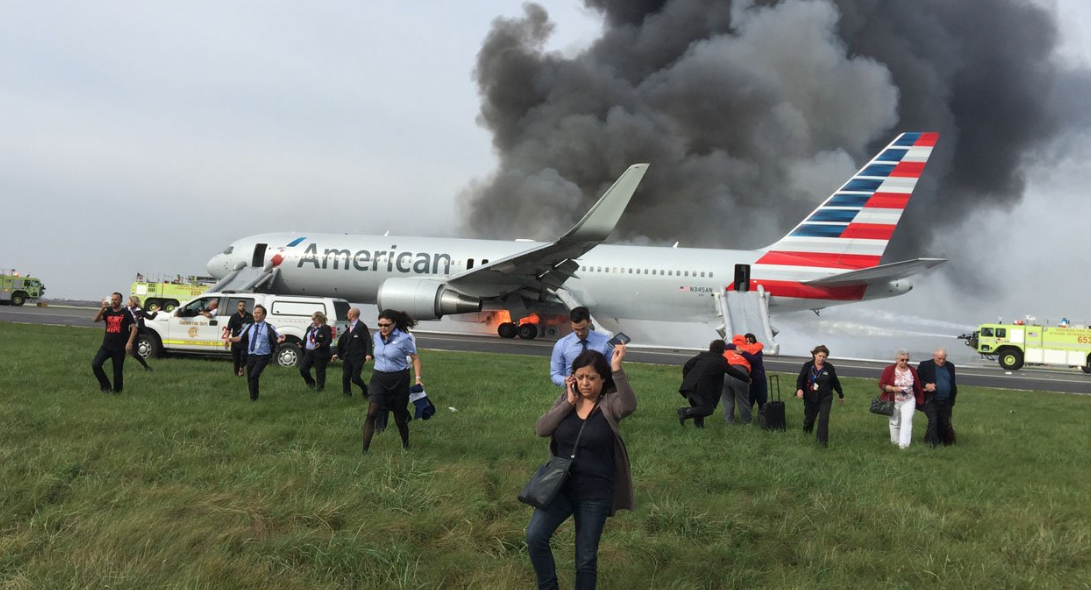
pixel 832 257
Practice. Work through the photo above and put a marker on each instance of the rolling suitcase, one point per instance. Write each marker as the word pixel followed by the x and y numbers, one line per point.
pixel 771 413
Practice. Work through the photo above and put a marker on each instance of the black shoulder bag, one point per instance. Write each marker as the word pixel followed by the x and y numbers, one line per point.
pixel 547 481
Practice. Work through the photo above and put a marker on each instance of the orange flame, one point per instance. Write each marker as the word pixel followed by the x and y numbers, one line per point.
pixel 530 319
pixel 503 317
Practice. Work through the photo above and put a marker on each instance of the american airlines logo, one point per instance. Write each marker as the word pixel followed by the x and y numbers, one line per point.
pixel 421 263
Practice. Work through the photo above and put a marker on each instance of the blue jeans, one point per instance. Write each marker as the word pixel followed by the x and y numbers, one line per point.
pixel 590 517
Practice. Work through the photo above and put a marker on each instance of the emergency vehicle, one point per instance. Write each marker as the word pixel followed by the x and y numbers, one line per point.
pixel 17 290
pixel 167 294
pixel 1014 345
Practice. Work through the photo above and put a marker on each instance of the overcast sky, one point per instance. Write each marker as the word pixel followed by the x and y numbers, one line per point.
pixel 145 137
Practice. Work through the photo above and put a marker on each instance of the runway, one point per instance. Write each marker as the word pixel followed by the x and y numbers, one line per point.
pixel 981 374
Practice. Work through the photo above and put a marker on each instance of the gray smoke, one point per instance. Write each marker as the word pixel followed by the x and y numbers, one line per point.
pixel 752 112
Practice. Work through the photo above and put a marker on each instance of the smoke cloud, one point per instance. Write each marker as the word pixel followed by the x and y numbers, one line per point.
pixel 753 112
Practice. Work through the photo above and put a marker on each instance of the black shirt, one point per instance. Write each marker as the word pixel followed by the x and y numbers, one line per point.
pixel 592 475
pixel 237 321
pixel 117 328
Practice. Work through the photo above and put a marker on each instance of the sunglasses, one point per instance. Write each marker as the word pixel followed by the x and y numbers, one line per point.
pixel 381 325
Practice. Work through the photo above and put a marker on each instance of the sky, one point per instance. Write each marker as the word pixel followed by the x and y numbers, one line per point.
pixel 145 137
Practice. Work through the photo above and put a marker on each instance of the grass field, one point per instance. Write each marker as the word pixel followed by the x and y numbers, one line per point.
pixel 181 482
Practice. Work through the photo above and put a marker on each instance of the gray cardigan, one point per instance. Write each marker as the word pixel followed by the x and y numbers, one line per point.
pixel 616 405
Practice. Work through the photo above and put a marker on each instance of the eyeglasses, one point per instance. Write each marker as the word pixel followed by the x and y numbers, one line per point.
pixel 381 325
pixel 903 360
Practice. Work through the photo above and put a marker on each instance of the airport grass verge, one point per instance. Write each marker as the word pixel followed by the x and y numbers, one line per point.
pixel 182 482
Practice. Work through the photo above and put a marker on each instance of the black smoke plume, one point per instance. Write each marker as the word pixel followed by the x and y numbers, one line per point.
pixel 751 113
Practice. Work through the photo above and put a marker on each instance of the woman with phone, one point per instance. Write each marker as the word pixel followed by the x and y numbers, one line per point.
pixel 597 397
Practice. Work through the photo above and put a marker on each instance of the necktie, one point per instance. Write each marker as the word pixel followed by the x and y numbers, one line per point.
pixel 584 344
pixel 254 334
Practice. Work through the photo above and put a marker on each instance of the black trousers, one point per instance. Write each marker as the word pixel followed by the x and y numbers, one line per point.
pixel 318 360
pixel 351 368
pixel 118 358
pixel 255 364
pixel 939 421
pixel 238 355
pixel 817 408
pixel 701 406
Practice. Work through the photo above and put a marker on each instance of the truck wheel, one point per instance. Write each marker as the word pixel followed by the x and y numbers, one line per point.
pixel 507 330
pixel 1087 368
pixel 151 305
pixel 528 331
pixel 288 354
pixel 147 346
pixel 169 305
pixel 1011 359
pixel 18 298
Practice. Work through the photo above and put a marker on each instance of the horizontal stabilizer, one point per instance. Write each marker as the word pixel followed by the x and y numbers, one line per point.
pixel 878 274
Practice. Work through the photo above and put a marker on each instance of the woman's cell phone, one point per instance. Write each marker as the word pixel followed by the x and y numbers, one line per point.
pixel 619 338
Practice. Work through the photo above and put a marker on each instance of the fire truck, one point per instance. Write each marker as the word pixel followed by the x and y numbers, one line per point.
pixel 16 289
pixel 167 294
pixel 1014 345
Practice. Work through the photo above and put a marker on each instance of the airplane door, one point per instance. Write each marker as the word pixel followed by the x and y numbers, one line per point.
pixel 259 255
pixel 742 277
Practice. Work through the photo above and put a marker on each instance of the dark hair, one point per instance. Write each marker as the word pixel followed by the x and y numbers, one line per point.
pixel 597 361
pixel 717 346
pixel 262 308
pixel 820 348
pixel 579 314
pixel 402 320
pixel 118 294
pixel 750 337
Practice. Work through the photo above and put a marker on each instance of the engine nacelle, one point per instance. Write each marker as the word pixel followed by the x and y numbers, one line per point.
pixel 424 299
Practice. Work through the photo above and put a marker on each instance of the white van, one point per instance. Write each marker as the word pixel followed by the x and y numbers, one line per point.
pixel 186 330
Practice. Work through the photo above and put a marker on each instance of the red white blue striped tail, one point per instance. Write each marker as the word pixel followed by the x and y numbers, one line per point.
pixel 852 228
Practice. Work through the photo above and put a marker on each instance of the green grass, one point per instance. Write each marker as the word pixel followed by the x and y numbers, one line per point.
pixel 181 482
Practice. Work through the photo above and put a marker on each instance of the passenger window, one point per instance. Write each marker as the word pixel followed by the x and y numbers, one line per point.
pixel 469 263
pixel 233 304
pixel 484 261
pixel 702 274
pixel 190 309
pixel 1001 333
pixel 296 308
pixel 986 332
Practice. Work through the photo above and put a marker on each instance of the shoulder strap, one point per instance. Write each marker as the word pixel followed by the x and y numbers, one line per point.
pixel 576 446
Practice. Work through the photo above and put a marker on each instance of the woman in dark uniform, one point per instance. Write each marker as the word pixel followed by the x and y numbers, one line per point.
pixel 139 315
pixel 389 387
pixel 597 397
pixel 815 385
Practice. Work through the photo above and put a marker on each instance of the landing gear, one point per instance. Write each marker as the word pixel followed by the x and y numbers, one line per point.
pixel 507 330
pixel 528 331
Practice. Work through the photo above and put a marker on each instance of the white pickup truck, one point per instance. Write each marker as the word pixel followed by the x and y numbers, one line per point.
pixel 185 330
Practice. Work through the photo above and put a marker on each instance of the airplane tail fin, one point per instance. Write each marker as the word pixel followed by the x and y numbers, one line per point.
pixel 851 229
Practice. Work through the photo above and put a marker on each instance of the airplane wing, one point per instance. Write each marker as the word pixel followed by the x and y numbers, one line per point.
pixel 548 266
pixel 878 274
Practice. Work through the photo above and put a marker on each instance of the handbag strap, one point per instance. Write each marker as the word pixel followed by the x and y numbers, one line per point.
pixel 576 446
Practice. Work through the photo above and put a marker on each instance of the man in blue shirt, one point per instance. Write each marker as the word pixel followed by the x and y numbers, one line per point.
pixel 568 348
pixel 260 340
pixel 938 379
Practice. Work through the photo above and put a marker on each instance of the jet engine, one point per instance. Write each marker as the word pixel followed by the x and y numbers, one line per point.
pixel 424 299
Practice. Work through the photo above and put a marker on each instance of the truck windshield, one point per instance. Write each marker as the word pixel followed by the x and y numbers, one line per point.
pixel 986 332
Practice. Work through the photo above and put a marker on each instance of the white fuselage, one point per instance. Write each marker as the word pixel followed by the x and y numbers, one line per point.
pixel 630 282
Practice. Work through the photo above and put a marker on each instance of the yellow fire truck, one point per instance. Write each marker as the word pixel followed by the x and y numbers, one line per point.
pixel 1014 345
pixel 167 294
pixel 17 290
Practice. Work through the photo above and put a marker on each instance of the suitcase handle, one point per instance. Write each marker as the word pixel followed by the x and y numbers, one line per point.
pixel 769 380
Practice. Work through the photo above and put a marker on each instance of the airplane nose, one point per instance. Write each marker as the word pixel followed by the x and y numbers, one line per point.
pixel 216 266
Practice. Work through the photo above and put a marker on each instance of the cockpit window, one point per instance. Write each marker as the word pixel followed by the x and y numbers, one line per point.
pixel 229 249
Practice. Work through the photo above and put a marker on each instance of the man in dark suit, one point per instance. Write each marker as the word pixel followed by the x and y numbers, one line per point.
pixel 354 349
pixel 938 378
pixel 316 352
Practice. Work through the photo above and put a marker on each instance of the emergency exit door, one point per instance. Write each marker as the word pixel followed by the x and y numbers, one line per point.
pixel 259 255
pixel 742 277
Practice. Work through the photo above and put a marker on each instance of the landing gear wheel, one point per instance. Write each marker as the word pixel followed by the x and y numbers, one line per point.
pixel 528 331
pixel 507 330
pixel 1011 360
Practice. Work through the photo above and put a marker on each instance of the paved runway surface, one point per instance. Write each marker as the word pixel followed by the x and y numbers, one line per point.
pixel 983 374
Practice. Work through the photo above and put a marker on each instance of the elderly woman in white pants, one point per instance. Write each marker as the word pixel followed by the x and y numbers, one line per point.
pixel 901 384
